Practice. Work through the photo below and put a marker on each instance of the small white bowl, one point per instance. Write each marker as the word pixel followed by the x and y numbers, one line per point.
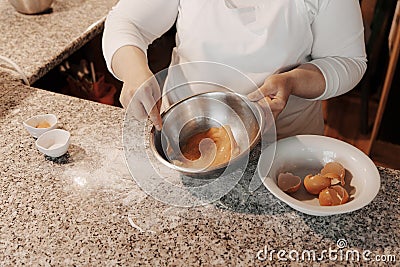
pixel 54 143
pixel 305 154
pixel 31 124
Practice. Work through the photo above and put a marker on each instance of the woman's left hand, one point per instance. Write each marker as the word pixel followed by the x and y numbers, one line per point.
pixel 305 81
pixel 275 91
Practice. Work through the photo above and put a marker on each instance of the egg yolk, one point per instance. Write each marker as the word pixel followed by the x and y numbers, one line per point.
pixel 222 145
pixel 43 124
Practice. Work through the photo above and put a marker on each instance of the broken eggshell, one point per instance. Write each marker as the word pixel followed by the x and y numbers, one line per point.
pixel 310 151
pixel 333 196
pixel 316 183
pixel 289 182
pixel 335 171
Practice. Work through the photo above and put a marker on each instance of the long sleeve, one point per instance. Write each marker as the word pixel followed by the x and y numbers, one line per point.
pixel 338 49
pixel 137 23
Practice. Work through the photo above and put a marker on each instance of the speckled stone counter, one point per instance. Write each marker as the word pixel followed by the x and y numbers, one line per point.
pixel 89 211
pixel 86 210
pixel 38 43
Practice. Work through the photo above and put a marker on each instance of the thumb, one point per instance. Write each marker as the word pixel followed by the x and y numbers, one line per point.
pixel 263 91
pixel 255 95
pixel 155 117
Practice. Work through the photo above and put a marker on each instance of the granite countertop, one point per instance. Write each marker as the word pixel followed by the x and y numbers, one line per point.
pixel 38 43
pixel 88 210
pixel 85 208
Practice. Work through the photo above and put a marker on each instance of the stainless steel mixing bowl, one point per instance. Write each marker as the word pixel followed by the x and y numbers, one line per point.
pixel 201 112
pixel 31 6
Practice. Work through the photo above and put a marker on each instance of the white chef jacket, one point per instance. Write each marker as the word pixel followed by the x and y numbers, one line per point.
pixel 255 37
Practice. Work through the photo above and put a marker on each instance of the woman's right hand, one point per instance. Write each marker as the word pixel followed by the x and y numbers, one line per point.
pixel 140 90
pixel 144 98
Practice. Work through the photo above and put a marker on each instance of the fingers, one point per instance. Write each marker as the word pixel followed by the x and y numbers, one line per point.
pixel 125 97
pixel 268 114
pixel 155 117
pixel 150 105
pixel 155 89
pixel 154 114
pixel 159 103
pixel 139 112
pixel 256 95
pixel 268 101
pixel 272 103
pixel 145 101
pixel 275 92
pixel 267 89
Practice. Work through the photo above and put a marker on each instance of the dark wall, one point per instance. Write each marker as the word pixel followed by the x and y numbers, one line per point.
pixel 390 127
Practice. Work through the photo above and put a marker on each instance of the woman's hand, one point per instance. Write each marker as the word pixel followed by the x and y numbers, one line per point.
pixel 305 81
pixel 275 92
pixel 144 96
pixel 140 89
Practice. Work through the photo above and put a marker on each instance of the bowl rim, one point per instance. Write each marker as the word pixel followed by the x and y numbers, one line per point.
pixel 37 132
pixel 205 171
pixel 26 122
pixel 44 135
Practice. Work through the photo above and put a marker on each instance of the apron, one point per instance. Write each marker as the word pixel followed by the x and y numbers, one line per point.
pixel 247 40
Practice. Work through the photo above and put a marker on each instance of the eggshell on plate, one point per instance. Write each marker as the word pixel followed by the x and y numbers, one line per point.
pixel 333 196
pixel 289 182
pixel 316 183
pixel 335 171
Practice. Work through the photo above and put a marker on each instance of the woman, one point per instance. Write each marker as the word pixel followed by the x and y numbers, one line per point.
pixel 319 44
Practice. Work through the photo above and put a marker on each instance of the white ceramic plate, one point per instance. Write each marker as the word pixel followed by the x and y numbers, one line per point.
pixel 305 154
